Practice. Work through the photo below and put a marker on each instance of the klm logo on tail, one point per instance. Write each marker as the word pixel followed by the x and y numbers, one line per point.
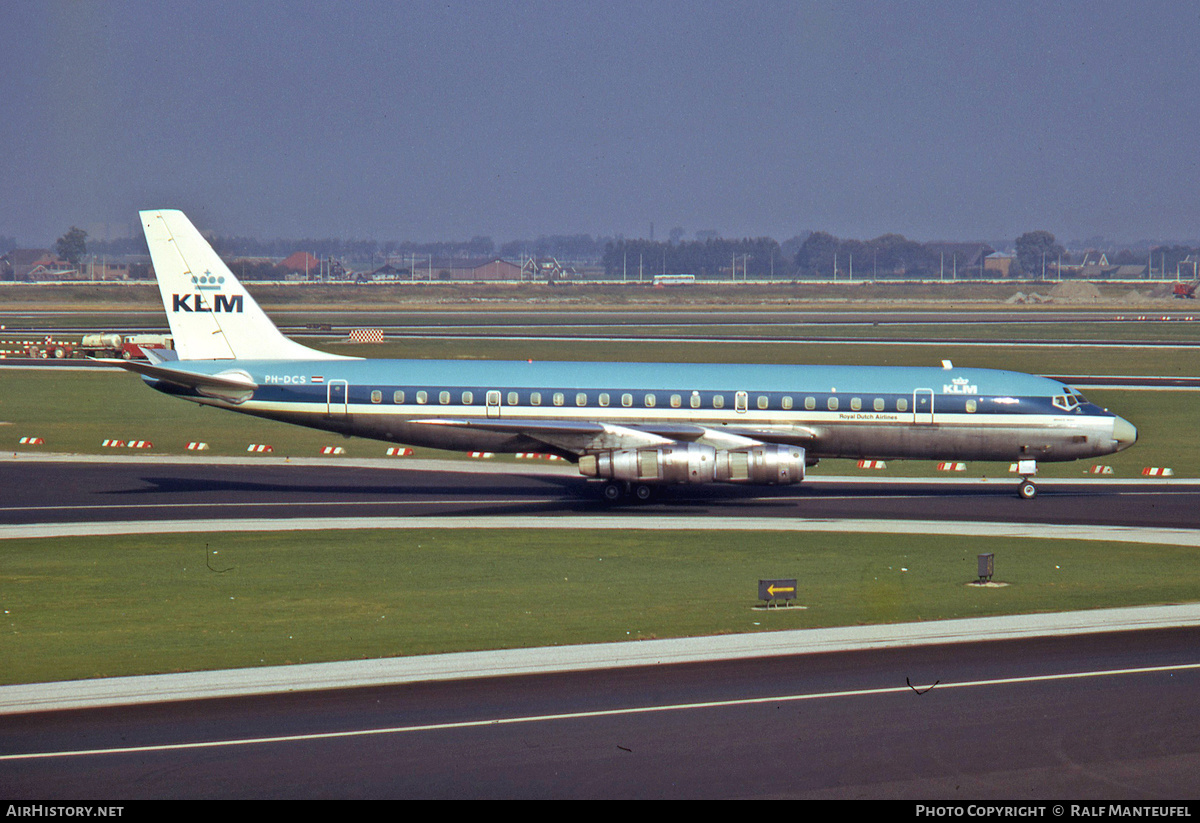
pixel 222 303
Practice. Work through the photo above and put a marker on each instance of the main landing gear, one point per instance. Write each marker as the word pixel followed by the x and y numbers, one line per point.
pixel 615 491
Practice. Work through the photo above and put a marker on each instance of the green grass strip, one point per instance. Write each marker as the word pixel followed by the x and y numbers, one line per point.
pixel 109 606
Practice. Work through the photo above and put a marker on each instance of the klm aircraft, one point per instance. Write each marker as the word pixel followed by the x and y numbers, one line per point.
pixel 632 426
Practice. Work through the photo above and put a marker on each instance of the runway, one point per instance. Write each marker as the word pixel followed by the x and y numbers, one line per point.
pixel 1095 714
pixel 1100 716
pixel 156 489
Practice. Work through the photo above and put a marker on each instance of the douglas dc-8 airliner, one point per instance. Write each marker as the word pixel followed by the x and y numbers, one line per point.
pixel 633 426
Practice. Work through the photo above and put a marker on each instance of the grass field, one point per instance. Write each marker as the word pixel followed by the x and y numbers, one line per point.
pixel 723 295
pixel 107 606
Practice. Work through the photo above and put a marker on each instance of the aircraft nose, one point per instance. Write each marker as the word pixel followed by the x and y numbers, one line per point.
pixel 1124 433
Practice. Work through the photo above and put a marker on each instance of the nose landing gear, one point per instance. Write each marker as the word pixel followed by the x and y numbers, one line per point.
pixel 1027 469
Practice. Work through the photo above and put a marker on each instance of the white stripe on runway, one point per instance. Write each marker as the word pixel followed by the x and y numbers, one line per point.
pixel 1039 531
pixel 586 715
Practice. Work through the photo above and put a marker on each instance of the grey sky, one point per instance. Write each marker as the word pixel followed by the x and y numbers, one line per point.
pixel 422 120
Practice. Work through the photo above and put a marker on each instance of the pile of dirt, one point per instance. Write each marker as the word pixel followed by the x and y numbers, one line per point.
pixel 1075 291
pixel 1033 297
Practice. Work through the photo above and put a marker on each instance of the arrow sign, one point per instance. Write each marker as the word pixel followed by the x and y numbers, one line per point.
pixel 783 589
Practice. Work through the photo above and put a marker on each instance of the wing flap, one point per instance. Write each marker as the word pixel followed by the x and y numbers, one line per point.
pixel 580 436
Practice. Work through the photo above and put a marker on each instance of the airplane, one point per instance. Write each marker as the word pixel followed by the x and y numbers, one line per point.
pixel 631 426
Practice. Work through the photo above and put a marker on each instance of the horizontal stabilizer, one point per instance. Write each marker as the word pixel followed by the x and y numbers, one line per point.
pixel 233 386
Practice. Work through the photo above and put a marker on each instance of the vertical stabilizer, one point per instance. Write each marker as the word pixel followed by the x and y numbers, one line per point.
pixel 211 314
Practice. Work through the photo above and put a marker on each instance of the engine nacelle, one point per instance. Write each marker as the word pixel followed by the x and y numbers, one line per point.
pixel 696 463
pixel 766 464
pixel 678 463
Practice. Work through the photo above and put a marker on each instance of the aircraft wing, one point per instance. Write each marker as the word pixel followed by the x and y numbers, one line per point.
pixel 579 437
pixel 233 386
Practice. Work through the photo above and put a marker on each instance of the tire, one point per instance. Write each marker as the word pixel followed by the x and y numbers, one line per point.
pixel 612 492
pixel 1027 490
pixel 643 492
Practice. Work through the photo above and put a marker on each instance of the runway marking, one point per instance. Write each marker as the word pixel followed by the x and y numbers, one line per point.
pixel 290 503
pixel 998 486
pixel 649 520
pixel 585 715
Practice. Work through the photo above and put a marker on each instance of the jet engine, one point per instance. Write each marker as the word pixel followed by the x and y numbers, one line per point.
pixel 696 463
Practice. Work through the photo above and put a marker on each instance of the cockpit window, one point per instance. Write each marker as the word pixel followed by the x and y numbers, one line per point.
pixel 1066 402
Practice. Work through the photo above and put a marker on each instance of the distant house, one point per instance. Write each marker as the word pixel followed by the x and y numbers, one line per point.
pixel 300 262
pixel 1094 258
pixel 386 273
pixel 486 269
pixel 998 263
pixel 35 264
pixel 963 257
pixel 548 269
pixel 1132 271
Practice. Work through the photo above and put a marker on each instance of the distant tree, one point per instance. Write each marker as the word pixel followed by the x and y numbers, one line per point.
pixel 1034 247
pixel 815 257
pixel 72 246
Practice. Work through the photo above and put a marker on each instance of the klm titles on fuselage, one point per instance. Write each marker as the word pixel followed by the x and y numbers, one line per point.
pixel 221 303
pixel 959 385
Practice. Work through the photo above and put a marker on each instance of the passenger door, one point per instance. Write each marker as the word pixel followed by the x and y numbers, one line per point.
pixel 923 406
pixel 337 398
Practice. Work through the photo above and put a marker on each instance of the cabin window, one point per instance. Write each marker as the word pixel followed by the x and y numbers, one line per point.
pixel 855 404
pixel 787 403
pixel 468 398
pixel 902 404
pixel 676 401
pixel 444 398
pixel 513 398
pixel 878 404
pixel 810 403
pixel 559 398
pixel 718 401
pixel 580 399
pixel 603 398
pixel 627 400
pixel 422 397
pixel 376 396
pixel 398 397
pixel 832 404
pixel 971 406
pixel 762 401
pixel 651 400
pixel 535 398
pixel 695 401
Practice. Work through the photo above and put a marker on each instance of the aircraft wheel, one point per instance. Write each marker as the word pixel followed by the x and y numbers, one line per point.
pixel 612 492
pixel 1027 490
pixel 643 492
